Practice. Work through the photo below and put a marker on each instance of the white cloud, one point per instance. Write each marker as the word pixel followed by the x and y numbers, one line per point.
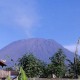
pixel 72 48
pixel 21 14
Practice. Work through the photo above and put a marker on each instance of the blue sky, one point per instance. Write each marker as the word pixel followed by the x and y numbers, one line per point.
pixel 50 19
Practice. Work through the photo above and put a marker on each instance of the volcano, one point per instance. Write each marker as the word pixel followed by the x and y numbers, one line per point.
pixel 40 48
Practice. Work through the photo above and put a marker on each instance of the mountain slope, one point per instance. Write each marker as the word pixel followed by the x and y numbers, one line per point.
pixel 41 48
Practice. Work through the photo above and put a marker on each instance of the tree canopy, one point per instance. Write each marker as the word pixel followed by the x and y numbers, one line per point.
pixel 31 65
pixel 57 64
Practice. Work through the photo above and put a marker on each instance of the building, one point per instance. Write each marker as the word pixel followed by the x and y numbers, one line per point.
pixel 4 74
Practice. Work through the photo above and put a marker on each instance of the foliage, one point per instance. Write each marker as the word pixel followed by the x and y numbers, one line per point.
pixel 71 66
pixel 34 67
pixel 22 75
pixel 78 66
pixel 57 65
pixel 31 65
pixel 44 70
pixel 8 78
pixel 9 69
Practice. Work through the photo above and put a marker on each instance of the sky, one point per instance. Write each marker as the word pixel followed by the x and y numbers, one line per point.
pixel 49 19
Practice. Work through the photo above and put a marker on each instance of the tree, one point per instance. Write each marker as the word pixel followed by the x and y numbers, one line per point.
pixel 57 65
pixel 9 69
pixel 44 70
pixel 71 67
pixel 31 65
pixel 78 66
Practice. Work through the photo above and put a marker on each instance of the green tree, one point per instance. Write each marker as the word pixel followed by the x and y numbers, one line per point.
pixel 44 70
pixel 71 67
pixel 78 66
pixel 57 65
pixel 8 68
pixel 31 65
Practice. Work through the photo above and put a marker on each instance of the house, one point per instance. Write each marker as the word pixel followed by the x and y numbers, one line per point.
pixel 4 73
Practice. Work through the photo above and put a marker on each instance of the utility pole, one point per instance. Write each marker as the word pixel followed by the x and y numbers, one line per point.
pixel 75 60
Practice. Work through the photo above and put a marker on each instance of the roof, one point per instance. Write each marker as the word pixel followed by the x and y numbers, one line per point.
pixel 2 63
